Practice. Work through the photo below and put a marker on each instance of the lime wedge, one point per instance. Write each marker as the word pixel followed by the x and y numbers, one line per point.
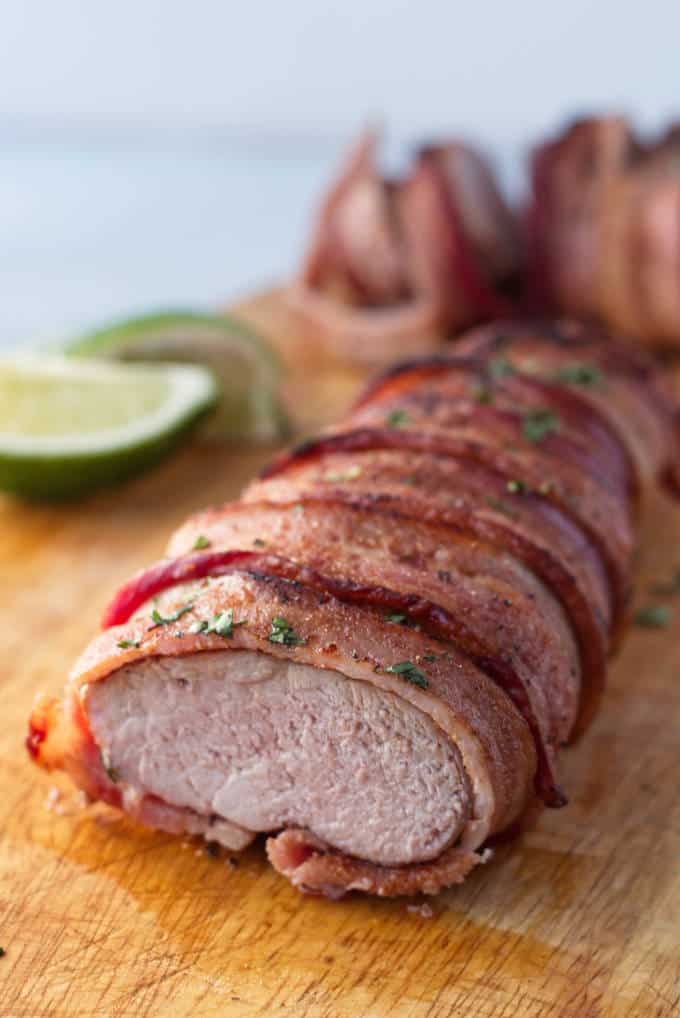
pixel 68 426
pixel 246 367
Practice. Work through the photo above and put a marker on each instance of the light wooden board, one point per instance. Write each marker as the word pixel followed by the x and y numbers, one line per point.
pixel 99 919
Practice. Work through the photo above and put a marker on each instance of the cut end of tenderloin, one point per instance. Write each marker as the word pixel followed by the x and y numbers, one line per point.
pixel 263 743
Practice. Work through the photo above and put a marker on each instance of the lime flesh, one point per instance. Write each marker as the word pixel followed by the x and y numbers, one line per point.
pixel 68 426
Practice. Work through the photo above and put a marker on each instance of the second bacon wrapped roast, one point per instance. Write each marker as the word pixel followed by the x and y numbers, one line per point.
pixel 603 229
pixel 396 265
pixel 376 654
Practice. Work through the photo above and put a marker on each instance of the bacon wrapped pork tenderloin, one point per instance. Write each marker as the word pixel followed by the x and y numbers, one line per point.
pixel 603 229
pixel 394 265
pixel 376 655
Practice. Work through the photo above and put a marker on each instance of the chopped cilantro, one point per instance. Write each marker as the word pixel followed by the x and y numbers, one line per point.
pixel 283 632
pixel 396 618
pixel 160 620
pixel 222 624
pixel 200 543
pixel 347 475
pixel 653 616
pixel 126 644
pixel 499 367
pixel 588 375
pixel 407 670
pixel 259 543
pixel 482 393
pixel 517 488
pixel 111 771
pixel 396 419
pixel 540 423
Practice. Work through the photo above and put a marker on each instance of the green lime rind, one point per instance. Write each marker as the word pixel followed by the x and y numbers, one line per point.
pixel 40 465
pixel 247 369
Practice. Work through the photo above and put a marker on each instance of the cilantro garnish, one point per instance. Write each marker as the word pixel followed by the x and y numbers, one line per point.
pixel 407 670
pixel 222 624
pixel 127 644
pixel 283 632
pixel 160 620
pixel 398 619
pixel 653 616
pixel 538 424
pixel 499 367
pixel 111 771
pixel 347 475
pixel 396 419
pixel 585 374
pixel 200 543
pixel 517 487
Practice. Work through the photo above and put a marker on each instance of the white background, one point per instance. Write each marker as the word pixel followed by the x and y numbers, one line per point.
pixel 156 153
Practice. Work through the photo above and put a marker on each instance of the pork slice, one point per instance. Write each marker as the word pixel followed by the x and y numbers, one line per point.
pixel 265 744
pixel 461 715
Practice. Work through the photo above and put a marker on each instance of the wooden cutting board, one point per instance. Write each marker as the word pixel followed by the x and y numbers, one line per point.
pixel 579 918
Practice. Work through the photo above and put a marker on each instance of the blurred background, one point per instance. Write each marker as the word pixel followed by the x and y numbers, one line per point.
pixel 166 154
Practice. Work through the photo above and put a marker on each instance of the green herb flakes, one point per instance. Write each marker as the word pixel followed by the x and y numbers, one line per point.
pixel 653 616
pixel 350 474
pixel 221 625
pixel 584 374
pixel 128 644
pixel 482 394
pixel 407 670
pixel 396 419
pixel 160 620
pixel 200 543
pixel 111 771
pixel 499 367
pixel 283 632
pixel 538 424
pixel 398 619
pixel 516 488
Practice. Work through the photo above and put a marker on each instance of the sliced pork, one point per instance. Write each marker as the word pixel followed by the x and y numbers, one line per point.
pixel 376 655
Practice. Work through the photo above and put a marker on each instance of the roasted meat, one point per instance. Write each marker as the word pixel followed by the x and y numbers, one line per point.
pixel 603 229
pixel 393 266
pixel 377 654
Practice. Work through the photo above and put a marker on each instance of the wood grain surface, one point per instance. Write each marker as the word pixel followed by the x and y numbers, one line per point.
pixel 581 917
